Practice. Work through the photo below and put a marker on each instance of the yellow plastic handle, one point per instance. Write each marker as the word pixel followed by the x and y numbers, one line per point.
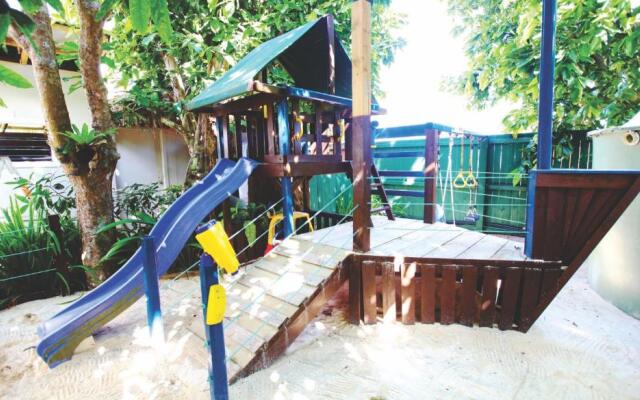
pixel 470 180
pixel 215 242
pixel 216 304
pixel 459 182
pixel 298 128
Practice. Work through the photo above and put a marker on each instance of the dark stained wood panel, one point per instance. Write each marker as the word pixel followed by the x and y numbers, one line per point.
pixel 469 284
pixel 408 293
pixel 428 293
pixel 369 292
pixel 448 294
pixel 570 208
pixel 510 290
pixel 388 292
pixel 489 293
pixel 530 295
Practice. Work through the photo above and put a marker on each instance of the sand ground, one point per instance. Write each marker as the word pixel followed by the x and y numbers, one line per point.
pixel 581 348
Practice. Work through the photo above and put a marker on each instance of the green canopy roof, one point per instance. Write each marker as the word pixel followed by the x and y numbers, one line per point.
pixel 303 52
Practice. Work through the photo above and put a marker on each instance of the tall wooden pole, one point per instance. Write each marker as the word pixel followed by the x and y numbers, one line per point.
pixel 547 67
pixel 361 130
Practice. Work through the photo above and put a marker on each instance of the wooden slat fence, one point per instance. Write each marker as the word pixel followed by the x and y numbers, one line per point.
pixel 501 205
pixel 502 294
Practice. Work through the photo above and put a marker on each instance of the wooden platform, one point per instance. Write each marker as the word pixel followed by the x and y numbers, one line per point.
pixel 272 299
pixel 413 238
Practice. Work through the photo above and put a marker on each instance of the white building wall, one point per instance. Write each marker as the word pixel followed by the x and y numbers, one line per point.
pixel 146 155
pixel 23 105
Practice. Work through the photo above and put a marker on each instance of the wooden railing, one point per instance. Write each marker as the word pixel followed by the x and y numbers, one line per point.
pixel 470 292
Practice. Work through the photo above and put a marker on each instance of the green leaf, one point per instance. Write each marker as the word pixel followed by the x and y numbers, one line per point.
pixel 5 21
pixel 140 14
pixel 118 247
pixel 30 6
pixel 161 20
pixel 105 7
pixel 13 78
pixel 2 103
pixel 57 5
pixel 108 61
pixel 64 281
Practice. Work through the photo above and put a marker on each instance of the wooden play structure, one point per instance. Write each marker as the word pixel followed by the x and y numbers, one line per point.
pixel 273 138
pixel 397 269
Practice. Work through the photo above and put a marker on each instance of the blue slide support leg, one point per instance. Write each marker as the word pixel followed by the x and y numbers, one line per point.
pixel 218 383
pixel 152 290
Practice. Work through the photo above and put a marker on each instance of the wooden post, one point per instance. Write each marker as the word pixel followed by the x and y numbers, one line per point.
pixel 430 174
pixel 219 134
pixel 270 131
pixel 218 383
pixel 355 290
pixel 318 128
pixel 287 184
pixel 331 84
pixel 361 133
pixel 152 290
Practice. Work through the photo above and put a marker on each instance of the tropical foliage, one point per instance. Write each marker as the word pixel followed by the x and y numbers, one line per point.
pixel 159 75
pixel 29 247
pixel 138 207
pixel 26 26
pixel 598 62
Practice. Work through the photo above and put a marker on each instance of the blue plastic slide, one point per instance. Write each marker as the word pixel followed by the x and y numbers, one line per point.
pixel 62 333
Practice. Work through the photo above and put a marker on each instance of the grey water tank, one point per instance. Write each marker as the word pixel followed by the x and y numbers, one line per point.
pixel 614 265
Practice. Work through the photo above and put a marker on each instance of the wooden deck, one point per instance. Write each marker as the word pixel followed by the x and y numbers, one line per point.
pixel 273 298
pixel 413 238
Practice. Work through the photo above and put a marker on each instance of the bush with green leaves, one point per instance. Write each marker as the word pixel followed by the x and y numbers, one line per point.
pixel 28 251
pixel 138 207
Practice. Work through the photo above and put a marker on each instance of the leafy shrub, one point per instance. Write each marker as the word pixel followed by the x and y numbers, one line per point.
pixel 138 207
pixel 48 192
pixel 28 250
pixel 242 218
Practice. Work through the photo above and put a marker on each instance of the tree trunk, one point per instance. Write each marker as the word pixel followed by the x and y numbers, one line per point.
pixel 91 183
pixel 94 189
pixel 45 66
pixel 196 130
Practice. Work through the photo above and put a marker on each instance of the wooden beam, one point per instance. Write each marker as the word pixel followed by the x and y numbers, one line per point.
pixel 430 173
pixel 331 84
pixel 361 130
pixel 310 95
pixel 271 130
pixel 294 169
pixel 254 101
pixel 318 128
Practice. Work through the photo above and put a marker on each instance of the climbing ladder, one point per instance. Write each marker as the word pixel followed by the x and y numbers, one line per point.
pixel 378 188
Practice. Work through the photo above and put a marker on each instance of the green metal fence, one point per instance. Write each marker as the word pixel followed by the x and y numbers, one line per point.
pixel 497 204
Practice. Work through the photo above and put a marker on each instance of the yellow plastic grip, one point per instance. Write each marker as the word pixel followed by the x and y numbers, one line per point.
pixel 298 127
pixel 216 304
pixel 459 181
pixel 471 181
pixel 215 242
